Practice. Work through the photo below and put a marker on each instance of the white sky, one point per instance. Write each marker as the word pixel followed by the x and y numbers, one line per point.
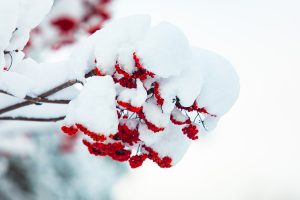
pixel 254 152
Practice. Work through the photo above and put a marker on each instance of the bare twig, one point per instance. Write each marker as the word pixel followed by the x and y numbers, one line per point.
pixel 33 119
pixel 42 96
pixel 38 99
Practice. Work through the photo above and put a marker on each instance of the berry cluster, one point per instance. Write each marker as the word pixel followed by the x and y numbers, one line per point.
pixel 191 131
pixel 127 144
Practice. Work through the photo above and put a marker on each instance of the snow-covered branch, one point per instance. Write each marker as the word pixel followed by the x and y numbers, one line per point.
pixel 146 93
pixel 40 98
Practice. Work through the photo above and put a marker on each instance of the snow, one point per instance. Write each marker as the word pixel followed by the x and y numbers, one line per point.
pixel 17 145
pixel 95 106
pixel 51 37
pixel 178 115
pixel 210 80
pixel 17 18
pixel 44 76
pixel 62 8
pixel 171 142
pixel 10 82
pixel 39 111
pixel 165 50
pixel 154 114
pixel 32 12
pixel 119 37
pixel 2 60
pixel 34 150
pixel 8 21
pixel 221 83
pixel 82 58
pixel 18 39
pixel 13 58
pixel 20 17
pixel 125 59
pixel 136 97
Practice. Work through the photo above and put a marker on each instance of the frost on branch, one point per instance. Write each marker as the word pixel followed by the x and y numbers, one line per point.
pixel 153 95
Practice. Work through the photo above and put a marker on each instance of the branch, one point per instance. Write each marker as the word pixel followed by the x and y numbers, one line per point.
pixel 33 119
pixel 38 99
pixel 42 96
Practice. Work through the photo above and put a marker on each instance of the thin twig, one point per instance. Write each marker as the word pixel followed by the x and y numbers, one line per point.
pixel 42 96
pixel 42 99
pixel 33 119
pixel 202 122
pixel 38 99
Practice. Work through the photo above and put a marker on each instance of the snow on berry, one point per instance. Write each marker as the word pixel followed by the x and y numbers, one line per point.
pixel 113 40
pixel 221 84
pixel 134 98
pixel 171 58
pixel 178 118
pixel 159 99
pixel 95 107
pixel 169 143
pixel 155 119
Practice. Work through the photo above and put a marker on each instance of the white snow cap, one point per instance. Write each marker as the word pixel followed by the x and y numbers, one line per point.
pixel 163 49
pixel 32 12
pixel 8 21
pixel 15 84
pixel 221 83
pixel 135 96
pixel 95 106
pixel 171 142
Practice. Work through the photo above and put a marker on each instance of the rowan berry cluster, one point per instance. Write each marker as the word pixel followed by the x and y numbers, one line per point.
pixel 126 144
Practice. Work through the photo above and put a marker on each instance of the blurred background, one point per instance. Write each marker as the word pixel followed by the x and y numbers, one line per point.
pixel 252 154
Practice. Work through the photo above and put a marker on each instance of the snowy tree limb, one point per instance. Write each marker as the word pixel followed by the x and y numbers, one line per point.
pixel 42 96
pixel 39 99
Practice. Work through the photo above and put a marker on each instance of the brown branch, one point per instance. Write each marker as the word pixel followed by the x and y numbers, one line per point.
pixel 90 74
pixel 42 100
pixel 33 119
pixel 42 97
pixel 39 99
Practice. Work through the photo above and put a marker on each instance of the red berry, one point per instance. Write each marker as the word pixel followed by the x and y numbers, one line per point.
pixel 191 131
pixel 72 130
pixel 137 160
